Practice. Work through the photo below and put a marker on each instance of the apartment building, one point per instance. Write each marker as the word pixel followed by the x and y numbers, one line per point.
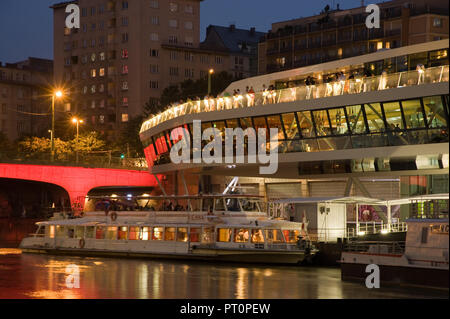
pixel 127 52
pixel 25 98
pixel 334 33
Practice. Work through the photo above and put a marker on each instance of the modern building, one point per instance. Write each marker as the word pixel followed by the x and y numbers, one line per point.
pixel 382 136
pixel 24 97
pixel 127 52
pixel 336 34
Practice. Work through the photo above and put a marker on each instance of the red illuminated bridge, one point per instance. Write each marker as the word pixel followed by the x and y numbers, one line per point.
pixel 77 181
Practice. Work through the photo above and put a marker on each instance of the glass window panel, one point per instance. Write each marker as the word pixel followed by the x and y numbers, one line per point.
pixel 434 111
pixel 393 116
pixel 219 205
pixel 274 236
pixel 158 233
pixel 182 234
pixel 224 234
pixel 260 122
pixel 241 235
pixel 257 236
pixel 194 236
pixel 291 235
pixel 100 232
pixel 274 121
pixel 306 124
pixel 169 234
pixel 290 126
pixel 374 117
pixel 246 123
pixel 123 233
pixel 233 123
pixel 338 121
pixel 207 235
pixel 322 124
pixel 144 234
pixel 413 114
pixel 111 233
pixel 356 119
pixel 206 126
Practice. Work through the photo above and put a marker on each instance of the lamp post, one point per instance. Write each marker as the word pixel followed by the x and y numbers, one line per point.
pixel 210 73
pixel 57 94
pixel 77 122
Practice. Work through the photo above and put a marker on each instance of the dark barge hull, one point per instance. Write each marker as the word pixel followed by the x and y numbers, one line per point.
pixel 398 275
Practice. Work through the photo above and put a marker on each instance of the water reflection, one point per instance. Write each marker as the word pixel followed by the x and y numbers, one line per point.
pixel 41 276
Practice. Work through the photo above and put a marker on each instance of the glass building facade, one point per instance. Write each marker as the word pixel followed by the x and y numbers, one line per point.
pixel 394 123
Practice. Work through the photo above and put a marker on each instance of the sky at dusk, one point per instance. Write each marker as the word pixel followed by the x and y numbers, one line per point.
pixel 26 26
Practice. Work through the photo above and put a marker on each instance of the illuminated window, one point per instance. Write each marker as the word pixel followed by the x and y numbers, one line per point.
pixel 257 236
pixel 241 235
pixel 124 54
pixel 182 234
pixel 93 89
pixel 224 235
pixel 437 22
pixel 102 56
pixel 93 73
pixel 125 101
pixel 194 236
pixel 158 233
pixel 274 236
pixel 124 117
pixel 379 45
pixel 173 7
pixel 101 72
pixel 291 235
pixel 125 69
pixel 169 234
pixel 125 85
pixel 123 233
pixel 93 57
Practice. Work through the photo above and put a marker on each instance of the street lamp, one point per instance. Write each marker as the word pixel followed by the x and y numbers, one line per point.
pixel 77 122
pixel 56 94
pixel 210 73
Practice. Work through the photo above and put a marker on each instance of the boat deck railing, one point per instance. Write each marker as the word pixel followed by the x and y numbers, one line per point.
pixel 339 87
pixel 376 247
pixel 372 228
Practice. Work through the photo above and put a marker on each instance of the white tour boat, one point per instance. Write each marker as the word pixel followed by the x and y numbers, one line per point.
pixel 209 227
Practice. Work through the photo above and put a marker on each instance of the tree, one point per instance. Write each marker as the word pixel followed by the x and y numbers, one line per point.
pixel 88 142
pixel 40 148
pixel 130 140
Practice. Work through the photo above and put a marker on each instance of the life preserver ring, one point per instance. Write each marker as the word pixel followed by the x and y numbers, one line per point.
pixel 82 243
pixel 113 216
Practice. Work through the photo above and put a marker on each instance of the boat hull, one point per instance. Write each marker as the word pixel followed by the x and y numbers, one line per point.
pixel 398 275
pixel 266 257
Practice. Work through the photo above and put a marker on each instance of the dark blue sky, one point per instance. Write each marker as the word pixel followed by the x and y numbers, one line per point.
pixel 26 26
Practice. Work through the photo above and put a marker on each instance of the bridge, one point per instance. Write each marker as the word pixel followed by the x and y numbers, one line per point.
pixel 77 181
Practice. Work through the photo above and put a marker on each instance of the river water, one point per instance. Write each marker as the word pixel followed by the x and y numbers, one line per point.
pixel 44 276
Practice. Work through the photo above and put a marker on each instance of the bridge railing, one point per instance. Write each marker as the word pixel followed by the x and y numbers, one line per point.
pixel 337 87
pixel 85 161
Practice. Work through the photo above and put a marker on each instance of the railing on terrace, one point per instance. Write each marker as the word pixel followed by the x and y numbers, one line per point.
pixel 303 92
pixel 372 228
pixel 86 161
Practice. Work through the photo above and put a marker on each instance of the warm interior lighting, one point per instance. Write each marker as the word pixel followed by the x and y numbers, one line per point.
pixel 384 231
pixel 361 233
pixel 379 45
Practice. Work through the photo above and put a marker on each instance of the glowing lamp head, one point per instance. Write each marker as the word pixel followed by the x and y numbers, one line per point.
pixel 74 121
pixel 58 94
pixel 211 71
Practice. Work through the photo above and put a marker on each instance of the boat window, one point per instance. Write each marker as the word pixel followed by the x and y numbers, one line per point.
pixel 51 231
pixel 249 205
pixel 111 233
pixel 223 235
pixel 291 235
pixel 158 233
pixel 182 234
pixel 207 236
pixel 170 234
pixel 424 238
pixel 123 231
pixel 241 235
pixel 257 236
pixel 134 233
pixel 41 231
pixel 70 232
pixel 100 232
pixel 79 232
pixel 60 231
pixel 194 236
pixel 145 233
pixel 274 236
pixel 90 230
pixel 233 204
pixel 219 205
